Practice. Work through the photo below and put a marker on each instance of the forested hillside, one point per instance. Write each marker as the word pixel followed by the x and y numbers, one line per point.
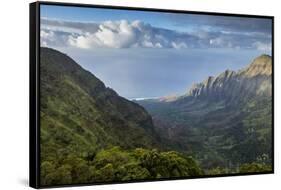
pixel 90 134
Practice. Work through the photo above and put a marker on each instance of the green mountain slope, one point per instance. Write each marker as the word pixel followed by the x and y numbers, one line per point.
pixel 91 134
pixel 79 103
pixel 224 121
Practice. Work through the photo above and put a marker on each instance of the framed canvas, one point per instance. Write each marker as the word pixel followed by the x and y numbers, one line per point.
pixel 122 94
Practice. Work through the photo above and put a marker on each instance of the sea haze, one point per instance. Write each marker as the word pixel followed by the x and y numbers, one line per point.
pixel 142 73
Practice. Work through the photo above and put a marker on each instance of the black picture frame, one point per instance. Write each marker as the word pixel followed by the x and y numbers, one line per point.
pixel 34 88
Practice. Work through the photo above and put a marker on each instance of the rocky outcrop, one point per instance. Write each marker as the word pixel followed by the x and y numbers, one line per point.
pixel 253 80
pixel 261 66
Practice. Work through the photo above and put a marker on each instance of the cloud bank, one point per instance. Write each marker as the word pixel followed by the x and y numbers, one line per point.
pixel 137 34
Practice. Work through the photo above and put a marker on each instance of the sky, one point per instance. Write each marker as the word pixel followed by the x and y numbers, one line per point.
pixel 151 54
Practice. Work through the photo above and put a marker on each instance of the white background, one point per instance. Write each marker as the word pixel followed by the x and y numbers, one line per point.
pixel 14 73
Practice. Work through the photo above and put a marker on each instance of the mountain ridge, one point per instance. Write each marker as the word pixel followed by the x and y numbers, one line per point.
pixel 262 65
pixel 257 73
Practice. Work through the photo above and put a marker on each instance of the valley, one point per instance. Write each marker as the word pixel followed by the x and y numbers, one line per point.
pixel 90 134
pixel 224 121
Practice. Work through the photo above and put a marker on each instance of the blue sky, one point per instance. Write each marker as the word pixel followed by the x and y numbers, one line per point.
pixel 158 19
pixel 82 14
pixel 151 54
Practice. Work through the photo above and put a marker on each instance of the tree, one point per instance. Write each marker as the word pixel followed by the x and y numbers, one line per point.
pixel 254 167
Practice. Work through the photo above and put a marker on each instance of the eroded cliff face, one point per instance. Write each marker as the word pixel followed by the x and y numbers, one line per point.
pixel 253 80
pixel 262 65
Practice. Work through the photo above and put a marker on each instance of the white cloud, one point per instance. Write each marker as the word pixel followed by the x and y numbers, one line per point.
pixel 179 45
pixel 262 46
pixel 133 34
pixel 216 41
pixel 111 34
pixel 221 42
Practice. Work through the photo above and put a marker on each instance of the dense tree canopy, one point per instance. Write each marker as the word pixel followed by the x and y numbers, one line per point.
pixel 115 164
